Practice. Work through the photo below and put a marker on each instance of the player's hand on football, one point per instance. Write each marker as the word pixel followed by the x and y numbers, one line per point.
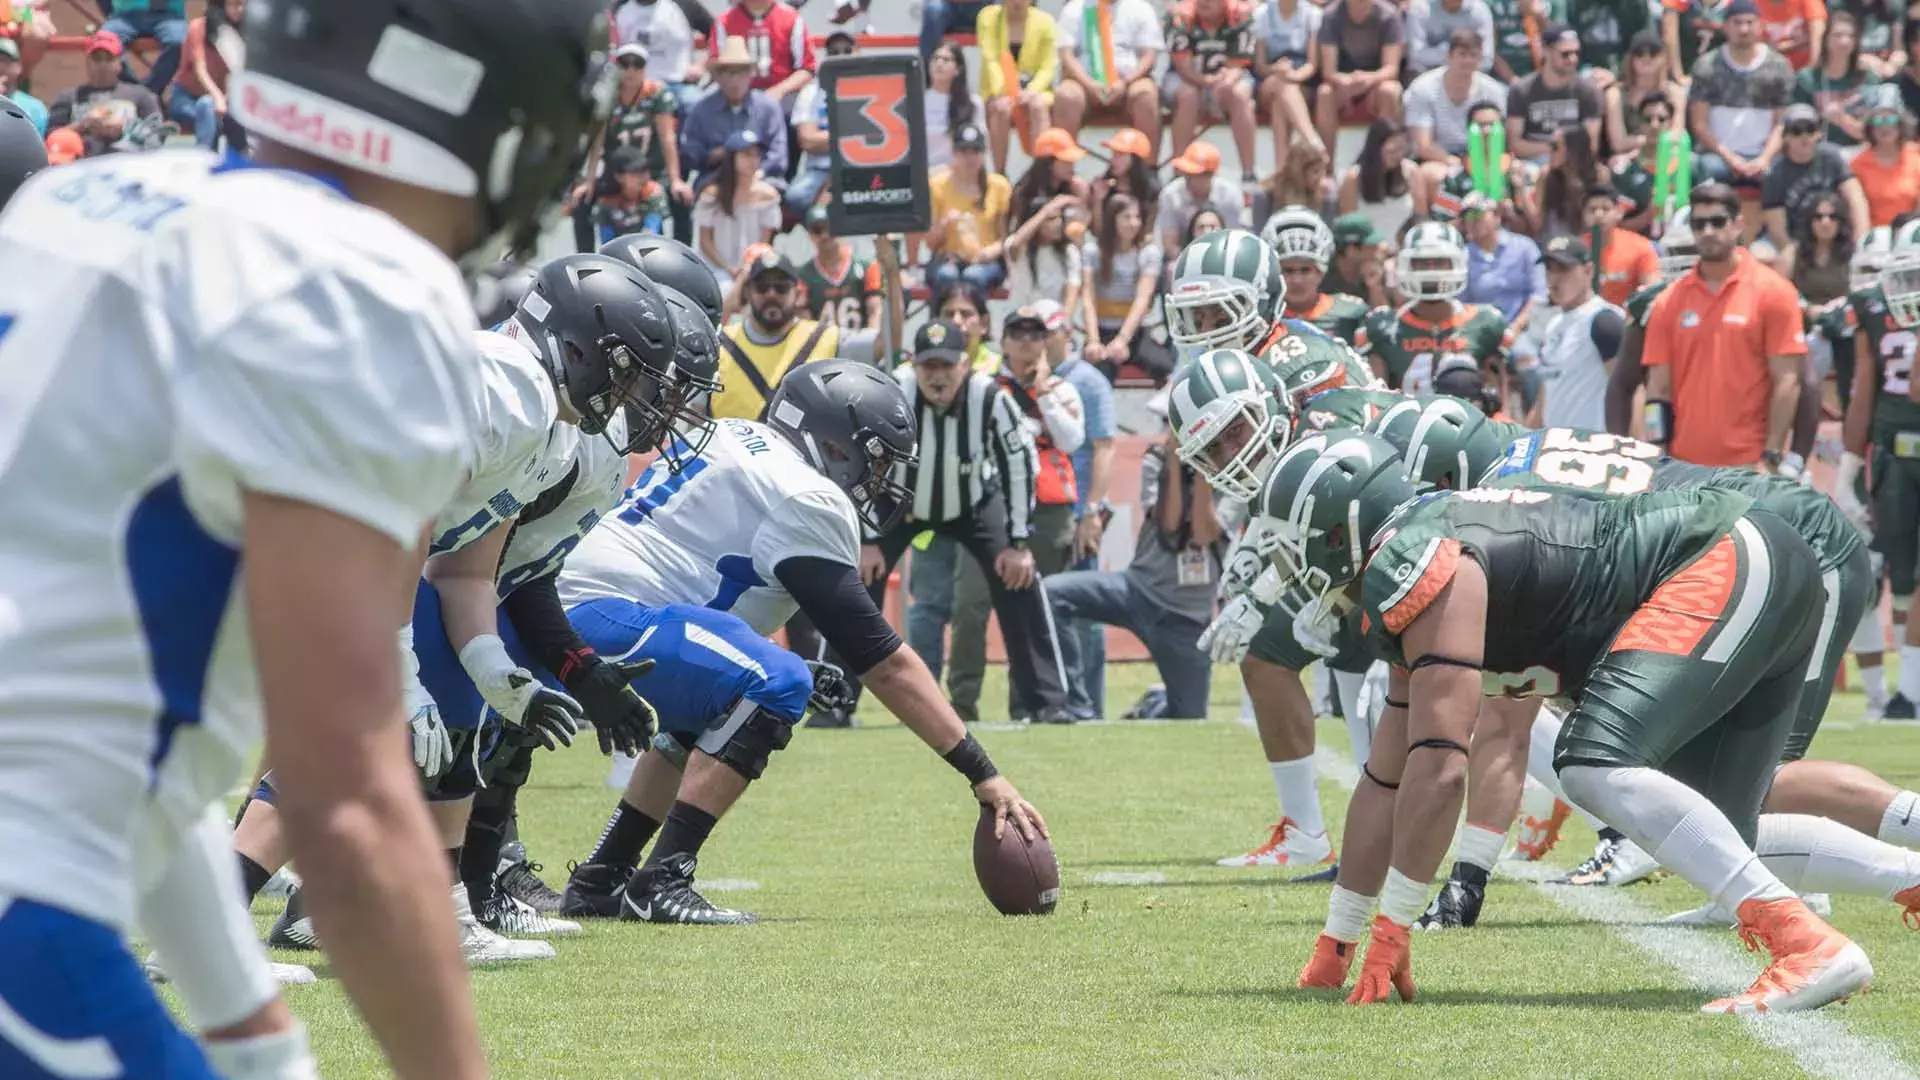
pixel 1388 968
pixel 622 719
pixel 1227 638
pixel 1010 809
pixel 873 565
pixel 1015 567
pixel 432 746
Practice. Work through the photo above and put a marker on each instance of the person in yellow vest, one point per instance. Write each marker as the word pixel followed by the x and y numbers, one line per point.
pixel 771 339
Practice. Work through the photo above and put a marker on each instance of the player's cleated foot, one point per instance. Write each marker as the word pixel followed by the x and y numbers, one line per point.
pixel 664 893
pixel 480 945
pixel 521 880
pixel 1287 845
pixel 1910 900
pixel 293 929
pixel 1615 861
pixel 1812 963
pixel 1537 836
pixel 509 917
pixel 1328 966
pixel 284 974
pixel 282 883
pixel 1714 915
pixel 593 890
pixel 1899 707
pixel 1457 904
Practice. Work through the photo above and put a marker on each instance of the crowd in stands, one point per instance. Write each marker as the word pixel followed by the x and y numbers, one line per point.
pixel 1519 122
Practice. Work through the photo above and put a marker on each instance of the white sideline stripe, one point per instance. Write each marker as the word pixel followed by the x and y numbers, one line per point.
pixel 1127 877
pixel 1819 1042
pixel 729 885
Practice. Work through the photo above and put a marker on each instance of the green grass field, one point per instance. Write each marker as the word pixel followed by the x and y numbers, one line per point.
pixel 877 955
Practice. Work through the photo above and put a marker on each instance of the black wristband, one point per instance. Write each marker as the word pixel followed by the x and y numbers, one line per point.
pixel 970 760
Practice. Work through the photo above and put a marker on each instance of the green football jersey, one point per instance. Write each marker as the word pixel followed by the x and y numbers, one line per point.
pixel 841 301
pixel 1564 573
pixel 1600 465
pixel 1337 313
pixel 1635 183
pixel 1347 406
pixel 1893 347
pixel 1410 347
pixel 1640 304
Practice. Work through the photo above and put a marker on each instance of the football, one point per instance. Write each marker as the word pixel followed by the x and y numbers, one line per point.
pixel 1018 876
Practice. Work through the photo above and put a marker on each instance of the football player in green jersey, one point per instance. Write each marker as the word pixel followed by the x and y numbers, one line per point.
pixel 1226 294
pixel 1678 256
pixel 1232 419
pixel 1883 421
pixel 1405 346
pixel 1645 613
pixel 1305 245
pixel 1308 361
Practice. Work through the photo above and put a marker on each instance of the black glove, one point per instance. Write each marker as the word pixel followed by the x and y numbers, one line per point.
pixel 831 688
pixel 621 717
pixel 551 715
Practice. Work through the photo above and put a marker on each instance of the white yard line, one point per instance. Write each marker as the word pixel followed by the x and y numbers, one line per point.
pixel 1821 1043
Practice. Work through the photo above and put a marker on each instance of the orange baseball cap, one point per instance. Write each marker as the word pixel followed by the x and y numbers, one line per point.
pixel 103 41
pixel 1199 158
pixel 64 145
pixel 1130 141
pixel 1057 144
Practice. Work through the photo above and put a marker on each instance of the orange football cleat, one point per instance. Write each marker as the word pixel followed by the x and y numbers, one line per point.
pixel 1287 845
pixel 1812 963
pixel 1536 836
pixel 1909 898
pixel 1328 966
pixel 1387 968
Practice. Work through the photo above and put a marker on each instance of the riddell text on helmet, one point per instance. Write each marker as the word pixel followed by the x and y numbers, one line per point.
pixel 287 121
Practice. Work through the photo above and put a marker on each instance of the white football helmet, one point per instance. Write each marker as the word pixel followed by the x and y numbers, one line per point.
pixel 1871 256
pixel 1296 232
pixel 1677 250
pixel 1900 278
pixel 1432 242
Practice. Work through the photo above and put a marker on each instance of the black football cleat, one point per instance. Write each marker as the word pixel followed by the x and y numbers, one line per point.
pixel 830 718
pixel 593 890
pixel 522 881
pixel 1899 707
pixel 663 893
pixel 1457 905
pixel 293 929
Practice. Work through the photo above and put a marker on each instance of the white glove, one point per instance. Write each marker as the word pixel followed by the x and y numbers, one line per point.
pixel 1843 495
pixel 1252 553
pixel 1227 637
pixel 517 696
pixel 1314 626
pixel 432 746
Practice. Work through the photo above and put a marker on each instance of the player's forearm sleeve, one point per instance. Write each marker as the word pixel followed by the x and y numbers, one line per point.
pixel 195 919
pixel 832 595
pixel 535 612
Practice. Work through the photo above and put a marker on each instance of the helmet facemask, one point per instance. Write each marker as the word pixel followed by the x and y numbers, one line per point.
pixel 1244 416
pixel 1215 312
pixel 1321 563
pixel 673 417
pixel 877 497
pixel 1442 277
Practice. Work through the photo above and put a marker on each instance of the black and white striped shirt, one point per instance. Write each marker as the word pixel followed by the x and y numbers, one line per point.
pixel 981 439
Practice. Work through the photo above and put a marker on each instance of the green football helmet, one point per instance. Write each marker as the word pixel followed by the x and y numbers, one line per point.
pixel 1445 442
pixel 1327 499
pixel 1870 257
pixel 1226 394
pixel 1226 292
pixel 1900 276
pixel 1432 264
pixel 1307 360
pixel 1295 232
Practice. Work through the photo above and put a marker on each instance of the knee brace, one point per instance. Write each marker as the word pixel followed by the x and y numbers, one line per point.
pixel 511 760
pixel 674 746
pixel 748 738
pixel 463 777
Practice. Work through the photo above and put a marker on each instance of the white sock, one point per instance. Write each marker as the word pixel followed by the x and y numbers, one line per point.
pixel 1901 823
pixel 1478 846
pixel 1348 914
pixel 1910 672
pixel 1536 800
pixel 1403 899
pixel 1874 681
pixel 1677 826
pixel 1814 854
pixel 1299 793
pixel 1541 739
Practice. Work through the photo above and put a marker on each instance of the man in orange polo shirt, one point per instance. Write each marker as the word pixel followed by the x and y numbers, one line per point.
pixel 1627 260
pixel 1725 350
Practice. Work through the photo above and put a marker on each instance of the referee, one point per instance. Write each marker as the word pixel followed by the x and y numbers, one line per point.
pixel 974 483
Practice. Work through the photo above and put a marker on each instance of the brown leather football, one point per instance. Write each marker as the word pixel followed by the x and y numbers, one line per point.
pixel 1018 876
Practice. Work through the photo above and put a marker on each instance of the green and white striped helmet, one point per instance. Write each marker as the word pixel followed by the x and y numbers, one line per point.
pixel 1226 292
pixel 1295 232
pixel 1432 264
pixel 1325 501
pixel 1900 278
pixel 1227 404
pixel 1445 442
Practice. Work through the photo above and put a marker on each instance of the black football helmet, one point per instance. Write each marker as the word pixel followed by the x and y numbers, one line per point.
pixel 21 152
pixel 490 98
pixel 498 288
pixel 607 337
pixel 671 264
pixel 854 424
pixel 677 419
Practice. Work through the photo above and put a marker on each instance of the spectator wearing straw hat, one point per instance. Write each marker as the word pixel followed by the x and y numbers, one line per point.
pixel 1200 187
pixel 735 106
pixel 772 33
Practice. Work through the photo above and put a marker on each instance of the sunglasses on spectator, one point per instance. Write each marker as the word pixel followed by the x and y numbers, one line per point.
pixel 1568 53
pixel 1711 222
pixel 1803 129
pixel 1826 215
pixel 1648 50
pixel 771 285
pixel 632 64
pixel 1883 120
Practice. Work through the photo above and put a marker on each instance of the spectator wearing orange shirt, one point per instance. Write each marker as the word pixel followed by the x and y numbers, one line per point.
pixel 1889 168
pixel 1628 262
pixel 1725 351
pixel 1794 28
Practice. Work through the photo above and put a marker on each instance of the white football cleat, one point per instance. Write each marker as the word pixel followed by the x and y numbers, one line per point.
pixel 480 945
pixel 282 883
pixel 510 917
pixel 1630 864
pixel 284 974
pixel 1286 845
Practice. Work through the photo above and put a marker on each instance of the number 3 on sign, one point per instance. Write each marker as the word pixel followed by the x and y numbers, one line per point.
pixel 880 98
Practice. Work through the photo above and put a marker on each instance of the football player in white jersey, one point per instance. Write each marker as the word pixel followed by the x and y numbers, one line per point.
pixel 285 369
pixel 696 568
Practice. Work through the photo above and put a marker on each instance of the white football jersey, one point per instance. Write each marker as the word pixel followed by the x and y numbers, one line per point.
pixel 176 331
pixel 712 533
pixel 522 452
pixel 538 547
